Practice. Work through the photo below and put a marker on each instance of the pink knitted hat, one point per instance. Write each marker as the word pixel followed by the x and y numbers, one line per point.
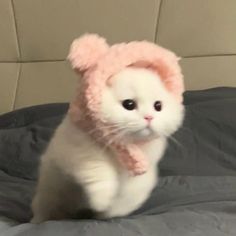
pixel 96 61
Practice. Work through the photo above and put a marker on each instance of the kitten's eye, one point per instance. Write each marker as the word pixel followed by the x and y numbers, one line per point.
pixel 158 106
pixel 129 104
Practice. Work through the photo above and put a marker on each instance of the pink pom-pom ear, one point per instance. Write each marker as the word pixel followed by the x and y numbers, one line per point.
pixel 86 51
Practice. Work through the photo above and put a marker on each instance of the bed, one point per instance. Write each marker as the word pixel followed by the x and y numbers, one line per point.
pixel 195 196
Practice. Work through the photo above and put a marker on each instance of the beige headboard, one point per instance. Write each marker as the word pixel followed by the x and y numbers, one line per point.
pixel 35 36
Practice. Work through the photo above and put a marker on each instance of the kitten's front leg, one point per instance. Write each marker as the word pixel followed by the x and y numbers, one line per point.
pixel 100 183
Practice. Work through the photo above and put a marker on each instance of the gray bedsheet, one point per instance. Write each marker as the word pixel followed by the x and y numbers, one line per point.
pixel 196 195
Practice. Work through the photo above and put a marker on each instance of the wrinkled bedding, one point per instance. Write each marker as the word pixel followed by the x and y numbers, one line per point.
pixel 196 194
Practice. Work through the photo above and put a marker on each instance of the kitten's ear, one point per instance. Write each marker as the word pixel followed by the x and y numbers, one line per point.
pixel 86 51
pixel 170 71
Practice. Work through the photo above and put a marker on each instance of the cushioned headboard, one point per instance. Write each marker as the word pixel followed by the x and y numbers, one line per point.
pixel 35 37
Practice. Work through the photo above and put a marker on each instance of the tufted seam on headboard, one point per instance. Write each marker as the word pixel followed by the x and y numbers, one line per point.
pixel 158 20
pixel 16 88
pixel 19 56
pixel 16 30
pixel 211 55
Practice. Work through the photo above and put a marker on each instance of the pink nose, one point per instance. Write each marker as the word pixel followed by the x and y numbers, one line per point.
pixel 148 118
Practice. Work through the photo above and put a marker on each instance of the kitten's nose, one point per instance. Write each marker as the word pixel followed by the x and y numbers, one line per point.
pixel 148 118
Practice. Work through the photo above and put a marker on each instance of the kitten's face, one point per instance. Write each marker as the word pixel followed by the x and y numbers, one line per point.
pixel 138 105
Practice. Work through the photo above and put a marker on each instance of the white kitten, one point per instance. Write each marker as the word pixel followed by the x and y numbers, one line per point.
pixel 76 173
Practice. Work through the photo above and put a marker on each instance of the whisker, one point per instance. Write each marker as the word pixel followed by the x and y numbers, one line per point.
pixel 115 138
pixel 115 127
pixel 175 141
pixel 185 128
pixel 113 133
pixel 101 127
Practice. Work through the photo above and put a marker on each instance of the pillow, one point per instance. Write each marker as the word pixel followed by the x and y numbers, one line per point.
pixel 205 145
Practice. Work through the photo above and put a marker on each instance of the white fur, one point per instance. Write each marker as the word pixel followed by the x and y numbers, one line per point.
pixel 73 158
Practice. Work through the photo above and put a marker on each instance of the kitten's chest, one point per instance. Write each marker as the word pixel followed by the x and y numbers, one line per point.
pixel 141 184
pixel 154 150
pixel 132 193
pixel 134 190
pixel 130 185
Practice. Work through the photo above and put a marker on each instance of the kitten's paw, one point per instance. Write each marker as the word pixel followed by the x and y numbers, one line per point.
pixel 99 205
pixel 100 183
pixel 101 195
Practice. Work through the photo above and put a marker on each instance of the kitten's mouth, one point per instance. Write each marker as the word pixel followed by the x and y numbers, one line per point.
pixel 143 133
pixel 146 131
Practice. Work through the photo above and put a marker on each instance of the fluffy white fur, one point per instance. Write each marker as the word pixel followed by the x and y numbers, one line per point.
pixel 74 159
